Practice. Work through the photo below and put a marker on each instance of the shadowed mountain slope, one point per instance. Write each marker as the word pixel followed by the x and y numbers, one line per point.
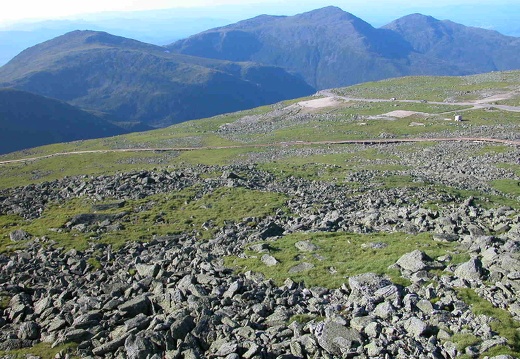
pixel 29 120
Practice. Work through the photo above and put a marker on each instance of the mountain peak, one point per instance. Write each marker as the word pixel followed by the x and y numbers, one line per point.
pixel 328 12
pixel 413 21
pixel 90 37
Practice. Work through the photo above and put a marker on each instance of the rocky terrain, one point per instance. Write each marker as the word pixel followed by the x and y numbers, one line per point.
pixel 177 296
pixel 286 248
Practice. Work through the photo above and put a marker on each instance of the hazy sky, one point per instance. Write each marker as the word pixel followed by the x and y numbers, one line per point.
pixel 17 10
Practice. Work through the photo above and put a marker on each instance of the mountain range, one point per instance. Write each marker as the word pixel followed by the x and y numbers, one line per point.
pixel 254 62
pixel 332 48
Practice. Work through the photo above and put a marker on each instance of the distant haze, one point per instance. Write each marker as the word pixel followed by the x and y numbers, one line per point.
pixel 21 10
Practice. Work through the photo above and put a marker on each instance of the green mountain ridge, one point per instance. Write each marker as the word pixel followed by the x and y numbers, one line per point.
pixel 138 82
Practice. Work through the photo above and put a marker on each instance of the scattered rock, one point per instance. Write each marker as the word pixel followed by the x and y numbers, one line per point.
pixel 19 235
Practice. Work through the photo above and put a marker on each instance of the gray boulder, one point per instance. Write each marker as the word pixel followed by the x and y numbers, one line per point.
pixel 415 327
pixel 181 327
pixel 138 347
pixel 337 339
pixel 19 235
pixel 470 270
pixel 302 267
pixel 147 270
pixel 306 246
pixel 414 261
pixel 271 230
pixel 269 260
pixel 135 306
pixel 29 330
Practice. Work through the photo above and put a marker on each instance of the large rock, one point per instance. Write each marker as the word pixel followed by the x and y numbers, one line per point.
pixel 138 347
pixel 135 306
pixel 415 327
pixel 337 339
pixel 414 261
pixel 181 327
pixel 271 230
pixel 470 270
pixel 147 270
pixel 29 330
pixel 110 346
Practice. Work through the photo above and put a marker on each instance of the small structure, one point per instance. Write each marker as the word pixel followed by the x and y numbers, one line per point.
pixel 458 118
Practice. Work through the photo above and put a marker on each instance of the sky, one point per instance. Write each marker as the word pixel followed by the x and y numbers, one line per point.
pixel 20 10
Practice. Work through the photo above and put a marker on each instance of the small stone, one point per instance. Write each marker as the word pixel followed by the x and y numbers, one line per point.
pixel 269 260
pixel 19 235
pixel 306 246
pixel 301 267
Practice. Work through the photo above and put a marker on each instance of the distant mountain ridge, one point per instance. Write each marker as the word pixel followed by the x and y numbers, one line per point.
pixel 332 48
pixel 139 82
pixel 29 120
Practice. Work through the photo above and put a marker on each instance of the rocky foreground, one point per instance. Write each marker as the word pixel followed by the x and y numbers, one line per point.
pixel 172 297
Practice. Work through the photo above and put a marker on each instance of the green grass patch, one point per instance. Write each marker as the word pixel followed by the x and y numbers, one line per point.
pixel 4 301
pixel 508 186
pixel 464 340
pixel 491 117
pixel 94 262
pixel 340 255
pixel 160 215
pixel 42 350
pixel 493 149
pixel 434 88
pixel 215 157
pixel 53 168
pixel 48 225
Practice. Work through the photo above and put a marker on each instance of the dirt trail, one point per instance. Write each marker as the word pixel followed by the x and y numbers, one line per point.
pixel 280 144
pixel 477 104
